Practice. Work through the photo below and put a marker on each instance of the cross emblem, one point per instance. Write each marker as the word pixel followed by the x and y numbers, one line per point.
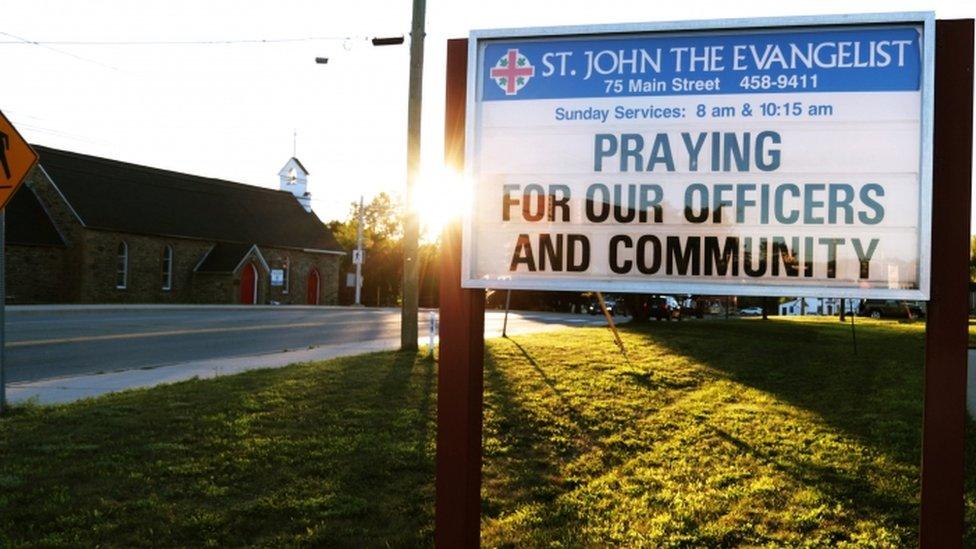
pixel 512 72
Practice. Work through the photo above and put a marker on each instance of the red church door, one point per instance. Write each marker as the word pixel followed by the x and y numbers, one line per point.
pixel 313 287
pixel 249 284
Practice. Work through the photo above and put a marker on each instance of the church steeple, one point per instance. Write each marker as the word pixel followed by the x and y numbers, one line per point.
pixel 294 179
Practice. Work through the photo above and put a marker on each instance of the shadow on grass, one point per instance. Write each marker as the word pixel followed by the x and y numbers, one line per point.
pixel 389 463
pixel 338 453
pixel 521 467
pixel 836 483
pixel 566 404
pixel 874 396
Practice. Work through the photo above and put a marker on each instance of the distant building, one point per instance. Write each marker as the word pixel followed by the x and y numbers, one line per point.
pixel 818 306
pixel 85 229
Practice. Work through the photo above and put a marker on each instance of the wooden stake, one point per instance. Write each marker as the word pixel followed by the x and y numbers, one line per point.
pixel 613 327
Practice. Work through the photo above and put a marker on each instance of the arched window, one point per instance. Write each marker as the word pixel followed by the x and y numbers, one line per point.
pixel 122 266
pixel 167 267
pixel 285 268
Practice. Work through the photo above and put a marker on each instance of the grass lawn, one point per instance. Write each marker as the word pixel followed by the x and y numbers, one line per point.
pixel 336 453
pixel 712 433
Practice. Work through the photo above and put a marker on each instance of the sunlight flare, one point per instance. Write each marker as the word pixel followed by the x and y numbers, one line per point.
pixel 442 195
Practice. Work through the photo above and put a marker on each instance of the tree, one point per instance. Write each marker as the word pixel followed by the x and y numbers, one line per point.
pixel 382 243
pixel 383 246
pixel 972 258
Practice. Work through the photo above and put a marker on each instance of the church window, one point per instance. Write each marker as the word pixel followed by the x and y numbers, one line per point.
pixel 286 269
pixel 122 266
pixel 167 267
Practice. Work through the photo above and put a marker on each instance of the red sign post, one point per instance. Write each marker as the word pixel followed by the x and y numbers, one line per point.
pixel 460 378
pixel 947 325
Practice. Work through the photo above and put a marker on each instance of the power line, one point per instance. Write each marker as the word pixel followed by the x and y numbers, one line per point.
pixel 22 40
pixel 178 42
pixel 60 133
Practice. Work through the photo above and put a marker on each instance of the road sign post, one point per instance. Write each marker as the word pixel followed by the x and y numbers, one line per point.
pixel 3 312
pixel 16 160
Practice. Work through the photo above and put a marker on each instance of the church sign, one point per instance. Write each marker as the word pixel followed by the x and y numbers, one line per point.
pixel 772 157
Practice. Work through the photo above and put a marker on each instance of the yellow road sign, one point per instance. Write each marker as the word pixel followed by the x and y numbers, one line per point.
pixel 16 159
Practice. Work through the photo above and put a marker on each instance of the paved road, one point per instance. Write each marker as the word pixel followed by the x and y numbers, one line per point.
pixel 59 342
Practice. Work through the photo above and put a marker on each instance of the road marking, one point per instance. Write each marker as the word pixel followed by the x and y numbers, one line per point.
pixel 166 333
pixel 555 322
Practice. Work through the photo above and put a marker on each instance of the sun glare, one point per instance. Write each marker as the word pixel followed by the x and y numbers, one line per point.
pixel 440 197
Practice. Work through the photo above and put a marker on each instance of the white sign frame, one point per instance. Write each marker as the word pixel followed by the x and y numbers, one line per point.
pixel 926 20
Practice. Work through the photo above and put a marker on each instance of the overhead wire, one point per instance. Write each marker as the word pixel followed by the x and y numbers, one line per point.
pixel 178 42
pixel 20 39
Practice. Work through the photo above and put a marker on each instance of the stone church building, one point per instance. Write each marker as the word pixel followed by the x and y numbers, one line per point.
pixel 84 229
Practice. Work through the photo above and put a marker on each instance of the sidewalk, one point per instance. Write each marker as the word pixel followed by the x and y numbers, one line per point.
pixel 60 390
pixel 71 388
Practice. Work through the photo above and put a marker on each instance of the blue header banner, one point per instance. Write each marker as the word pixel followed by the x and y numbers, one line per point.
pixel 836 60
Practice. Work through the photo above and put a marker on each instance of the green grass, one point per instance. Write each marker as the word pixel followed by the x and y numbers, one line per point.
pixel 336 453
pixel 711 434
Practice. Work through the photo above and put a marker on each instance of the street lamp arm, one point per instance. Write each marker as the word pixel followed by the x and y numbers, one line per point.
pixel 388 41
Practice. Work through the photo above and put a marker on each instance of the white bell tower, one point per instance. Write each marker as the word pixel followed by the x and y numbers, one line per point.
pixel 294 179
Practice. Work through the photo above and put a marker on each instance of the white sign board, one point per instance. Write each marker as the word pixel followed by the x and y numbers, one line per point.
pixel 277 277
pixel 357 257
pixel 770 157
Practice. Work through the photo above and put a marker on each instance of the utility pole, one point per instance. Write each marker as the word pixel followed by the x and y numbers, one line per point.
pixel 411 227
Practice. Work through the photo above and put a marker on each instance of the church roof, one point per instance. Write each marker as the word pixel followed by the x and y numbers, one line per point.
pixel 27 222
pixel 118 196
pixel 226 257
pixel 293 161
pixel 300 165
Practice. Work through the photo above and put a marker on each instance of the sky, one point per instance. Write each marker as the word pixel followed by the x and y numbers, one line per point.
pixel 119 79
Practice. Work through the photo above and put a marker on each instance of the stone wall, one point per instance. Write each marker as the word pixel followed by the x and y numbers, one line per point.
pixel 214 288
pixel 36 274
pixel 329 269
pixel 50 197
pixel 299 265
pixel 144 282
pixel 28 267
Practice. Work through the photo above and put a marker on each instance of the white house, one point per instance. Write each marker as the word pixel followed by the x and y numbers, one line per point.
pixel 817 306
